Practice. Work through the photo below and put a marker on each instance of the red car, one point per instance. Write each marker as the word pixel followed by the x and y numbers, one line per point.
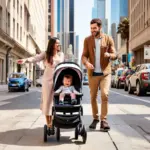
pixel 122 81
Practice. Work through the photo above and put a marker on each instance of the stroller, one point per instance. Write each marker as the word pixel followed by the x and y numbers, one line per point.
pixel 67 116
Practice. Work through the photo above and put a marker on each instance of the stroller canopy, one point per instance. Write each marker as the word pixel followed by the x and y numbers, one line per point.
pixel 67 68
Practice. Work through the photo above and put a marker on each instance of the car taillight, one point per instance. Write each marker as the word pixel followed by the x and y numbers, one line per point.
pixel 145 76
pixel 122 78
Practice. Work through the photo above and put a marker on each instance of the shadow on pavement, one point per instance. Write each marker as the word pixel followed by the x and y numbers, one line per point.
pixel 34 135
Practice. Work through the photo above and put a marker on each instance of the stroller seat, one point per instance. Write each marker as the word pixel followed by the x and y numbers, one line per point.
pixel 68 116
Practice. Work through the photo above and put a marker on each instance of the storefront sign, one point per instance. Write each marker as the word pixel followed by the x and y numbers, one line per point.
pixel 147 52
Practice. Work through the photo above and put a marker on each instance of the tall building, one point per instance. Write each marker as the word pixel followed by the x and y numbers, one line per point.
pixel 22 34
pixel 121 11
pixel 139 16
pixel 65 23
pixel 50 23
pixel 123 8
pixel 102 10
pixel 114 33
pixel 76 52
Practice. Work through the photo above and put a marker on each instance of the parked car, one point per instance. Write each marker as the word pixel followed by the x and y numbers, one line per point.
pixel 29 82
pixel 127 75
pixel 18 81
pixel 39 82
pixel 85 80
pixel 140 80
pixel 118 73
pixel 113 79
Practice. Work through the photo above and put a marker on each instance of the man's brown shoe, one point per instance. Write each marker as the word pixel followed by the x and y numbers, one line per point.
pixel 93 124
pixel 104 126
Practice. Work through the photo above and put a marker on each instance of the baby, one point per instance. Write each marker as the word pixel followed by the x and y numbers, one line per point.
pixel 66 89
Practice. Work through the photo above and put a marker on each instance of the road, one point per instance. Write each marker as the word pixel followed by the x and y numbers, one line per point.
pixel 21 123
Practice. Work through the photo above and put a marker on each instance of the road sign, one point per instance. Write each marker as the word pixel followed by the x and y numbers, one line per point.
pixel 147 52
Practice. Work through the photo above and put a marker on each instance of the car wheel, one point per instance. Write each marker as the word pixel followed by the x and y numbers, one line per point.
pixel 125 87
pixel 130 91
pixel 117 86
pixel 139 91
pixel 28 88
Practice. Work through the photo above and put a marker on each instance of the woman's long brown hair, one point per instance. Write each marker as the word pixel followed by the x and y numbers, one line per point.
pixel 50 50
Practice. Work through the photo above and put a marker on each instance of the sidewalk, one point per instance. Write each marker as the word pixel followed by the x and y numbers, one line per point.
pixel 3 87
pixel 23 130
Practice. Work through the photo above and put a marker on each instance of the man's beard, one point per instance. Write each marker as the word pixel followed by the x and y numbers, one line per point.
pixel 97 33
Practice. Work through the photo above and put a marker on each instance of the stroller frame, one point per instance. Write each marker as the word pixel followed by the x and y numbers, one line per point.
pixel 67 116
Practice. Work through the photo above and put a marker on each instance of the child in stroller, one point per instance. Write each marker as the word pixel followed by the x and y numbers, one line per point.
pixel 67 89
pixel 67 116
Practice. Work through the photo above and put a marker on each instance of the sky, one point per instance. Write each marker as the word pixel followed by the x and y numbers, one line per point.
pixel 83 16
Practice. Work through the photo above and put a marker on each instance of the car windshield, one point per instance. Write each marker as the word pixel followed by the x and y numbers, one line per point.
pixel 85 78
pixel 120 72
pixel 148 66
pixel 15 75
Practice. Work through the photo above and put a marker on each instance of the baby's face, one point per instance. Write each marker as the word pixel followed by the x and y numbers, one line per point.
pixel 67 82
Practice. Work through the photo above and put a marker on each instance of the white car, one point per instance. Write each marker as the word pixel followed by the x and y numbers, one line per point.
pixel 39 82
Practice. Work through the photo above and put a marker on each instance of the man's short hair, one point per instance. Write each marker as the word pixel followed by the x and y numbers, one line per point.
pixel 97 21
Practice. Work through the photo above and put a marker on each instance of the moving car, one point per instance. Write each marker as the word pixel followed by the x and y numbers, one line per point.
pixel 18 81
pixel 139 82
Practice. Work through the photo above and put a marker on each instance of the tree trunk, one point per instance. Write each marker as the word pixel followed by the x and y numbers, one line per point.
pixel 127 46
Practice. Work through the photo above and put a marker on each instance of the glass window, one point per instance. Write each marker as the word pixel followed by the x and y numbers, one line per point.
pixel 16 75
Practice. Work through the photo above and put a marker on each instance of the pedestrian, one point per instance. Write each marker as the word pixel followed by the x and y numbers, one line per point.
pixel 97 52
pixel 52 56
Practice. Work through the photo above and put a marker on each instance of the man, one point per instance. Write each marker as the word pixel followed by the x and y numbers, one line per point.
pixel 97 52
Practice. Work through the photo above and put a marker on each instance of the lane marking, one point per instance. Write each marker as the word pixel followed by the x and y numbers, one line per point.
pixel 139 99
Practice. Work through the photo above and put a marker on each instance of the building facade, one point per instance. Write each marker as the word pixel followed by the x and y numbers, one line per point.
pixel 102 10
pixel 22 34
pixel 51 20
pixel 65 24
pixel 139 16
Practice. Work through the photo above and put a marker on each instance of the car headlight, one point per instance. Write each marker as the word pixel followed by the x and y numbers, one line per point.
pixel 21 82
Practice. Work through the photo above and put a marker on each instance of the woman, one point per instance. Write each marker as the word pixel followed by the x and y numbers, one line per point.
pixel 51 58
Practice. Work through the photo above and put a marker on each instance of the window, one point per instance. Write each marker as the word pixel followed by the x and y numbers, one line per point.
pixel 20 11
pixel 49 37
pixel 17 31
pixel 8 22
pixel 14 28
pixel 49 23
pixel 1 17
pixel 20 33
pixel 14 3
pixel 27 38
pixel 17 6
pixel 49 8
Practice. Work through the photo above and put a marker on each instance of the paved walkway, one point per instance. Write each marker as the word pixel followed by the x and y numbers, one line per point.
pixel 3 87
pixel 23 130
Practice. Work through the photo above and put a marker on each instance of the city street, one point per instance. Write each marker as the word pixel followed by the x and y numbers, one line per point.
pixel 21 123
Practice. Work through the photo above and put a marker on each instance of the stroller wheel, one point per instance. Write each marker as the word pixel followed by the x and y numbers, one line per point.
pixel 76 133
pixel 58 134
pixel 84 135
pixel 45 133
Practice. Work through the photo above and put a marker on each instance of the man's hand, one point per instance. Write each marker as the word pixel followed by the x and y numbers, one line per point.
pixel 106 55
pixel 89 65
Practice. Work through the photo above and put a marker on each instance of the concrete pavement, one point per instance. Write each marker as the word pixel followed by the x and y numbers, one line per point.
pixel 21 128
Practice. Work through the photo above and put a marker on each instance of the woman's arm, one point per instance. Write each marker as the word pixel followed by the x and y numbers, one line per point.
pixel 36 58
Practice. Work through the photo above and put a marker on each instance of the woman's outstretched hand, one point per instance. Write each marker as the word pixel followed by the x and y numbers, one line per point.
pixel 22 61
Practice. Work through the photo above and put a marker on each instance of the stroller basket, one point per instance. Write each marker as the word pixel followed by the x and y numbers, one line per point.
pixel 66 122
pixel 68 108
